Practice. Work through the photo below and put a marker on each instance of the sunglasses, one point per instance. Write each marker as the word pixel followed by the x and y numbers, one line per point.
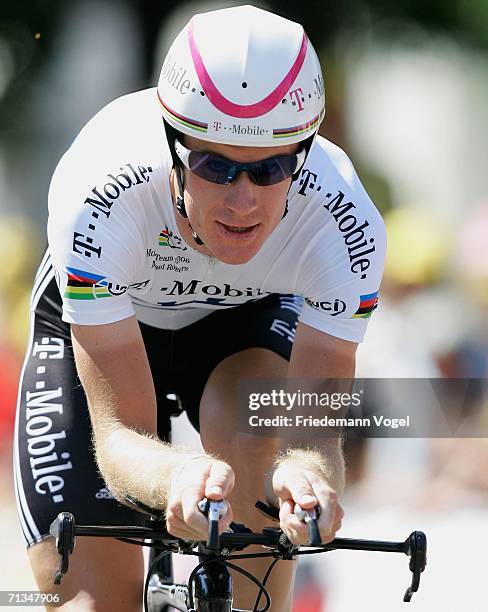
pixel 223 171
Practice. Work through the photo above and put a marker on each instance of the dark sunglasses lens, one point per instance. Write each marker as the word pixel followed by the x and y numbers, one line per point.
pixel 221 171
pixel 273 170
pixel 211 167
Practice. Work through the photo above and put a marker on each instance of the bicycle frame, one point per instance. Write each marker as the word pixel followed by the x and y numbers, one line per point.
pixel 161 592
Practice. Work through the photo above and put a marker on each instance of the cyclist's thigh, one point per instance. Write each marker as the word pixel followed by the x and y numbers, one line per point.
pixel 54 465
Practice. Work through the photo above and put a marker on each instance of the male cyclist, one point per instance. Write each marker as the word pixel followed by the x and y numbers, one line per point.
pixel 199 233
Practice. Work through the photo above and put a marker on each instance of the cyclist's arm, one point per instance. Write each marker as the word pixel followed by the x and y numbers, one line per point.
pixel 316 354
pixel 114 370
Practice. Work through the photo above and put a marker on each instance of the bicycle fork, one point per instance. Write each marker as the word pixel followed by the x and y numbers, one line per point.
pixel 163 594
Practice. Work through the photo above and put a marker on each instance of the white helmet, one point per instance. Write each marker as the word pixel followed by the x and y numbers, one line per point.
pixel 242 76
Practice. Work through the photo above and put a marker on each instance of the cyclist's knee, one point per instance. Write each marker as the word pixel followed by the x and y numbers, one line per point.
pixel 44 562
pixel 93 573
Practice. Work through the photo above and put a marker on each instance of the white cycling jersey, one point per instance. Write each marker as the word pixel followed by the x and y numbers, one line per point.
pixel 116 251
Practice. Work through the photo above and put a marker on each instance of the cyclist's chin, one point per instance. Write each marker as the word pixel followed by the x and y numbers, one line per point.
pixel 234 247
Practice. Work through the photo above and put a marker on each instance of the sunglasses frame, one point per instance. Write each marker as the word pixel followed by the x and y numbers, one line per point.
pixel 184 155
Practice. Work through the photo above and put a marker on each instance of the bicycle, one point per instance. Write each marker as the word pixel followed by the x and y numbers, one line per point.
pixel 209 587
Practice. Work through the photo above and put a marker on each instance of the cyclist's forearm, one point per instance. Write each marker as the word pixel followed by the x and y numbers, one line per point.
pixel 139 465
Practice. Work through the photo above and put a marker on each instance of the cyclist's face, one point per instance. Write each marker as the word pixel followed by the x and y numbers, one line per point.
pixel 215 210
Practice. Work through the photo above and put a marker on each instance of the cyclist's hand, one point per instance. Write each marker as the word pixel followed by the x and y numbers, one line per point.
pixel 196 479
pixel 297 485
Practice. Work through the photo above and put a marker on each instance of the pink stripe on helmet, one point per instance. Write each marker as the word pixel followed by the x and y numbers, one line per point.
pixel 241 110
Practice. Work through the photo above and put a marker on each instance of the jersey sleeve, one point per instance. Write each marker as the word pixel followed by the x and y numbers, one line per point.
pixel 342 270
pixel 92 244
pixel 340 310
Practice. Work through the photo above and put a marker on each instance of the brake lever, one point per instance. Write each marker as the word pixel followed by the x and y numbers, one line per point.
pixel 213 510
pixel 416 547
pixel 63 529
pixel 310 518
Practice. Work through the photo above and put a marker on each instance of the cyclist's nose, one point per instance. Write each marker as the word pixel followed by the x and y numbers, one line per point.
pixel 241 196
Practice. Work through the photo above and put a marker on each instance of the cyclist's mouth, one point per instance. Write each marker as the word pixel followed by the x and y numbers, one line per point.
pixel 238 231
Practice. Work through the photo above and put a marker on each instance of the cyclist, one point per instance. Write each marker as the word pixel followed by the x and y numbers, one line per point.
pixel 199 232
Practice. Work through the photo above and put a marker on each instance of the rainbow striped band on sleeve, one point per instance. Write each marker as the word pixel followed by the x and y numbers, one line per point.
pixel 84 285
pixel 367 304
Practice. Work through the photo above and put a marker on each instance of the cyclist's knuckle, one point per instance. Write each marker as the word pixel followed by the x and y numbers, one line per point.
pixel 173 508
pixel 171 525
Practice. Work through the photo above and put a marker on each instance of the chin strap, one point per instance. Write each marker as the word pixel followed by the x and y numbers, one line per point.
pixel 180 203
pixel 195 236
pixel 285 212
pixel 286 208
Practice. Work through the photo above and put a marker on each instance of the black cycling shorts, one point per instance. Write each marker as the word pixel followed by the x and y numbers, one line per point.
pixel 54 464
